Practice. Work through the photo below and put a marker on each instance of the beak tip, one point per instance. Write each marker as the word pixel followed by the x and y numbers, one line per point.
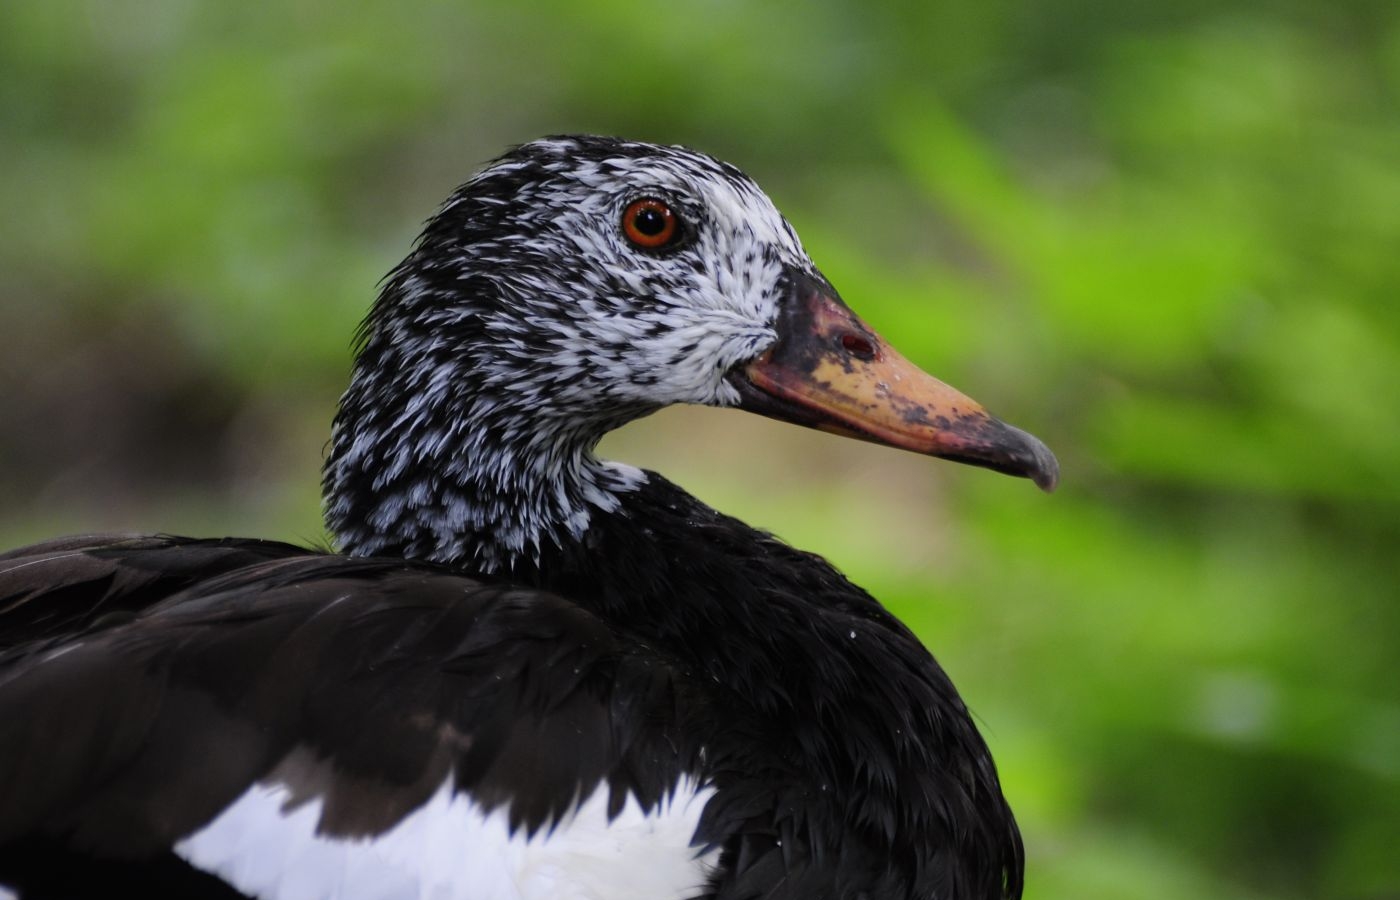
pixel 1007 449
pixel 1029 457
pixel 1045 470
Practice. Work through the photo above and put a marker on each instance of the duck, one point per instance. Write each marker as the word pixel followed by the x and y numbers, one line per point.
pixel 522 671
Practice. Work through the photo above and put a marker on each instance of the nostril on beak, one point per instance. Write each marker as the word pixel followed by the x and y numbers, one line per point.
pixel 858 346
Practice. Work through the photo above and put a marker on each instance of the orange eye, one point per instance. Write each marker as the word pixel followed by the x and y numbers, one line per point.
pixel 649 224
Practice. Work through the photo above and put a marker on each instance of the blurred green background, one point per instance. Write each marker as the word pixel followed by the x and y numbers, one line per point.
pixel 1165 237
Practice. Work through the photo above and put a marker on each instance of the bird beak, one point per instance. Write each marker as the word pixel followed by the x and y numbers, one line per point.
pixel 829 370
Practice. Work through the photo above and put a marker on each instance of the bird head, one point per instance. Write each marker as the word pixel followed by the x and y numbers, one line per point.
pixel 578 282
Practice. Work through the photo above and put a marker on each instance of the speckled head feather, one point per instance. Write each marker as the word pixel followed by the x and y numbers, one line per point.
pixel 524 326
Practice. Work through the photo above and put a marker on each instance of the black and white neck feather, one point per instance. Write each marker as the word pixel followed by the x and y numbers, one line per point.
pixel 523 327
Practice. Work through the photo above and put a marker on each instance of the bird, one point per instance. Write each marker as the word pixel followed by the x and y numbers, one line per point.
pixel 522 671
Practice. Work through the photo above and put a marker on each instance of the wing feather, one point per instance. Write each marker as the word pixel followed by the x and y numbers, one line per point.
pixel 363 684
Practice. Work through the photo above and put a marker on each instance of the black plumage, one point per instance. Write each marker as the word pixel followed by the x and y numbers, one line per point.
pixel 624 638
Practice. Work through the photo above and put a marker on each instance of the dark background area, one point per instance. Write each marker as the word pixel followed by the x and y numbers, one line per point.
pixel 1163 237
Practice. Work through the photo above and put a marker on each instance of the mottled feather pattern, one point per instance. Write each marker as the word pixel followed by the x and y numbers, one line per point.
pixel 522 312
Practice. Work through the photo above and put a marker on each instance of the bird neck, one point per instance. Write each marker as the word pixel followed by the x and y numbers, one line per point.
pixel 464 478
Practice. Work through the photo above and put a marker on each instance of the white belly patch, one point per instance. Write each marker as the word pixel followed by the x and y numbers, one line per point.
pixel 448 849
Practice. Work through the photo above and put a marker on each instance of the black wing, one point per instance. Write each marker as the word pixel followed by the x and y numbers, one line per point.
pixel 68 585
pixel 146 683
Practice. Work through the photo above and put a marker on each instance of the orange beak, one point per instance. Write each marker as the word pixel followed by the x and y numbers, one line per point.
pixel 829 370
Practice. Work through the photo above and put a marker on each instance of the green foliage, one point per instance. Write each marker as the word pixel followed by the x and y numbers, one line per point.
pixel 1163 237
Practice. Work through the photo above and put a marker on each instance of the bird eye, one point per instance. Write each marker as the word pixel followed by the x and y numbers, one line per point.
pixel 650 224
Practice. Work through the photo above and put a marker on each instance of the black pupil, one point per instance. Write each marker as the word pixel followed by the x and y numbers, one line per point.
pixel 649 221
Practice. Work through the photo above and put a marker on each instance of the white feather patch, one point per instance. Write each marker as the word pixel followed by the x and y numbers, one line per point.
pixel 448 849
